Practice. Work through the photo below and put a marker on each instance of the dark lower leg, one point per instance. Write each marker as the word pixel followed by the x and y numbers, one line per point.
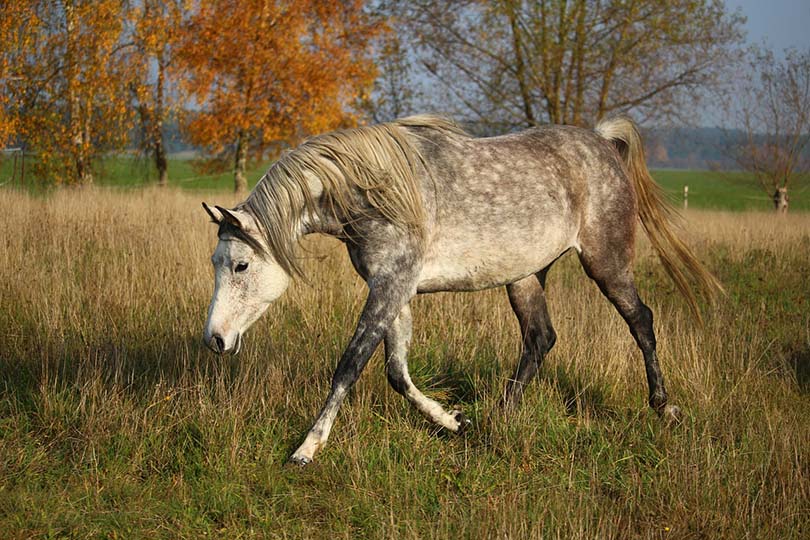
pixel 527 369
pixel 528 301
pixel 640 320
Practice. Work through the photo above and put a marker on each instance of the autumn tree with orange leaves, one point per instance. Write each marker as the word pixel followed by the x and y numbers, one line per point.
pixel 156 27
pixel 65 83
pixel 267 73
pixel 10 36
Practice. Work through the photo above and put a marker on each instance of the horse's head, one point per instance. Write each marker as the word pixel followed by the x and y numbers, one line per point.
pixel 246 279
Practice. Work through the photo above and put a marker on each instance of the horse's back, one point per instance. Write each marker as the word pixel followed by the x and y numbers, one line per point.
pixel 504 207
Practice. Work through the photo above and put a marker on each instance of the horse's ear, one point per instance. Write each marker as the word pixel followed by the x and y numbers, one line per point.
pixel 216 215
pixel 230 217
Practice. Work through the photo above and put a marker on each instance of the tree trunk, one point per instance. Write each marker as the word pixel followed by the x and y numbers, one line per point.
pixel 610 69
pixel 157 127
pixel 520 67
pixel 161 163
pixel 578 62
pixel 239 179
pixel 79 132
pixel 781 200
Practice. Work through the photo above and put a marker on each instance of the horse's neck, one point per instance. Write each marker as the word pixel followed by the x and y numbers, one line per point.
pixel 324 224
pixel 323 221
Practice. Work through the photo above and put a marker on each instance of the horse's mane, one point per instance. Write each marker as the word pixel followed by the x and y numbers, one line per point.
pixel 377 162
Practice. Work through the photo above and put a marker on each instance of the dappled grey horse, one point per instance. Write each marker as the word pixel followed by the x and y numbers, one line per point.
pixel 424 207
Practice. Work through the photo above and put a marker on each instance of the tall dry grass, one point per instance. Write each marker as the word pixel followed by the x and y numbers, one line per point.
pixel 116 422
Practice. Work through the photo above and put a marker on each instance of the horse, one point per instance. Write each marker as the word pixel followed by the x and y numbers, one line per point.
pixel 422 207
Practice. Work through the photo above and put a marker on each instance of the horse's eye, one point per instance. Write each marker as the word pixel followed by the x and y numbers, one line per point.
pixel 241 267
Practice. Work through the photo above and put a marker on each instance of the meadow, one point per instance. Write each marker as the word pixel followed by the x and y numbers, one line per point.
pixel 115 421
pixel 708 190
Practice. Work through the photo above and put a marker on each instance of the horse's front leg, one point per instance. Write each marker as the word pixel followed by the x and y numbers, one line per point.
pixel 386 298
pixel 397 343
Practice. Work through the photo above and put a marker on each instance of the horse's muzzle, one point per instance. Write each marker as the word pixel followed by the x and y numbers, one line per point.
pixel 217 344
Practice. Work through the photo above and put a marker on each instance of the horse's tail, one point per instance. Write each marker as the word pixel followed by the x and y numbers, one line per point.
pixel 656 215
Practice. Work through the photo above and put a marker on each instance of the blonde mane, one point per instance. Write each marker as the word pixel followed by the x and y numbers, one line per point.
pixel 364 171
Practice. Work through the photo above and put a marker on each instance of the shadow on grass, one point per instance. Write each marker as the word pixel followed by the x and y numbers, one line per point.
pixel 136 368
pixel 798 361
pixel 578 395
pixel 456 385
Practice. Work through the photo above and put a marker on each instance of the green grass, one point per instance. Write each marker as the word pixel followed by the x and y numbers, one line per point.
pixel 707 189
pixel 735 191
pixel 115 422
pixel 132 172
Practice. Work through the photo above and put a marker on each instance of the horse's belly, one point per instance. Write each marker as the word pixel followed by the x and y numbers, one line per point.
pixel 462 266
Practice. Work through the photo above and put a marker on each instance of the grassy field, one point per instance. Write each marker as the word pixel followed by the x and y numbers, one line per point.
pixel 717 190
pixel 708 190
pixel 115 422
pixel 128 172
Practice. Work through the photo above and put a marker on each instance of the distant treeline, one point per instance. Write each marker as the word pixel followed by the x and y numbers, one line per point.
pixel 696 147
pixel 691 147
pixel 667 148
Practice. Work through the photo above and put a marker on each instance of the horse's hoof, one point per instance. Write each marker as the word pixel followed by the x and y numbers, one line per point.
pixel 464 423
pixel 672 415
pixel 300 461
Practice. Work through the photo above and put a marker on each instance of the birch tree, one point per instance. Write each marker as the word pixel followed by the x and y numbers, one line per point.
pixel 12 38
pixel 267 73
pixel 156 27
pixel 67 95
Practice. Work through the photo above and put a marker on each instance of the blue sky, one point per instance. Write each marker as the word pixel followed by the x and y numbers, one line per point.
pixel 780 23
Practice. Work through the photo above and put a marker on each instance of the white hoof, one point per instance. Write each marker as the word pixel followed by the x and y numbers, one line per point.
pixel 462 422
pixel 301 461
pixel 672 414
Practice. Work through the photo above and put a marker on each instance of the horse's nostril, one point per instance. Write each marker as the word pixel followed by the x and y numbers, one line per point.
pixel 218 343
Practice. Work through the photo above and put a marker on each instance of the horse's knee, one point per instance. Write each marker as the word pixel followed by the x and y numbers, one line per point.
pixel 543 340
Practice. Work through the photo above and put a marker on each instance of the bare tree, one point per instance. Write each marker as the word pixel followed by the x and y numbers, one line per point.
pixel 772 108
pixel 509 63
pixel 395 91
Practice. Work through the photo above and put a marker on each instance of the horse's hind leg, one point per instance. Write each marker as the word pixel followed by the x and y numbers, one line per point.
pixel 528 301
pixel 397 342
pixel 611 270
